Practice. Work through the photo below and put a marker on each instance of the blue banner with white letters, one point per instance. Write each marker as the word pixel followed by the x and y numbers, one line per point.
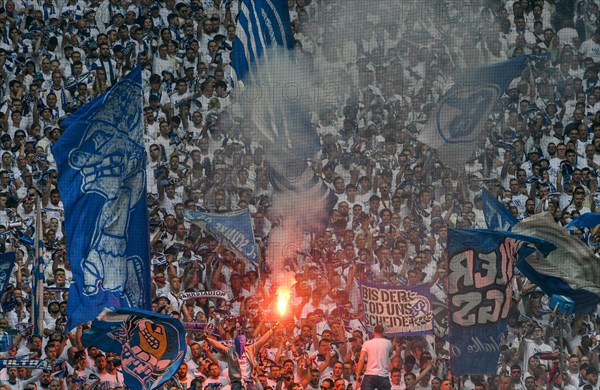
pixel 102 180
pixel 233 230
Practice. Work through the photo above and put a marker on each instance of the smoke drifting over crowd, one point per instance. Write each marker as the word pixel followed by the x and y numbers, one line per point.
pixel 294 96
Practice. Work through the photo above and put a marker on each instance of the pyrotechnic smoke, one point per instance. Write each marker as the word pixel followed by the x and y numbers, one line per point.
pixel 282 100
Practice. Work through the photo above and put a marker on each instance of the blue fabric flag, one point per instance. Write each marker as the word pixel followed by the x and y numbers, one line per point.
pixel 7 263
pixel 497 217
pixel 152 345
pixel 571 270
pixel 481 265
pixel 102 165
pixel 233 230
pixel 261 23
pixel 587 220
pixel 459 118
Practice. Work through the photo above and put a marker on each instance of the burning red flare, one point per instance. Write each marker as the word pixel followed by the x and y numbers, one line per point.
pixel 283 299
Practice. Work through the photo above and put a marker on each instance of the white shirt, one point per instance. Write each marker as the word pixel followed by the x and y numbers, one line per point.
pixel 378 351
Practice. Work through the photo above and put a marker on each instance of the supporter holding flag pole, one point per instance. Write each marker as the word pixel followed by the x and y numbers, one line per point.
pixel 102 164
pixel 37 302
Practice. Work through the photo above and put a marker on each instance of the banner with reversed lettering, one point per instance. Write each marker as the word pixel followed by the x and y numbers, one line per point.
pixel 480 271
pixel 233 230
pixel 402 310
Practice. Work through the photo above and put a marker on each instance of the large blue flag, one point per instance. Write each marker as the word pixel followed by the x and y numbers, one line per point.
pixel 571 270
pixel 233 230
pixel 102 175
pixel 261 23
pixel 152 345
pixel 481 265
pixel 497 217
pixel 459 118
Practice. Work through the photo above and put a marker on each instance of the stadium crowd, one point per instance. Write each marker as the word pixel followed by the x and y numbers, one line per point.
pixel 396 200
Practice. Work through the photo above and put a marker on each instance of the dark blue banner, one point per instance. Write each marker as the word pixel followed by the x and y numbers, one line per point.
pixel 402 310
pixel 152 345
pixel 233 230
pixel 102 181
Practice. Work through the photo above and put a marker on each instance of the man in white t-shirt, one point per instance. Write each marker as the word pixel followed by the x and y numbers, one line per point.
pixel 377 351
pixel 532 346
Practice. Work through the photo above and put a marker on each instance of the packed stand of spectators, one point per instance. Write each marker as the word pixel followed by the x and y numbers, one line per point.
pixel 541 152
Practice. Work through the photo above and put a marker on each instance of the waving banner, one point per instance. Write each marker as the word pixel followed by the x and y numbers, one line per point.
pixel 458 120
pixel 402 310
pixel 102 164
pixel 571 270
pixel 481 265
pixel 261 23
pixel 152 345
pixel 233 230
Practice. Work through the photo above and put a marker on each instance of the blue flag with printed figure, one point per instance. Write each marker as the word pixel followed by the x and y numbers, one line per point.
pixel 481 265
pixel 102 180
pixel 152 345
pixel 261 24
pixel 571 270
pixel 458 120
pixel 233 230
pixel 497 217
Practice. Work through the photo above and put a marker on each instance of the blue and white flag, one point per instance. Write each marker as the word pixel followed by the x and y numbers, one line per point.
pixel 481 265
pixel 402 310
pixel 102 181
pixel 571 270
pixel 497 217
pixel 458 121
pixel 7 263
pixel 233 230
pixel 152 345
pixel 261 23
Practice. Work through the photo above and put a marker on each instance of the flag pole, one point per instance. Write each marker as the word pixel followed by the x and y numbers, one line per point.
pixel 37 302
